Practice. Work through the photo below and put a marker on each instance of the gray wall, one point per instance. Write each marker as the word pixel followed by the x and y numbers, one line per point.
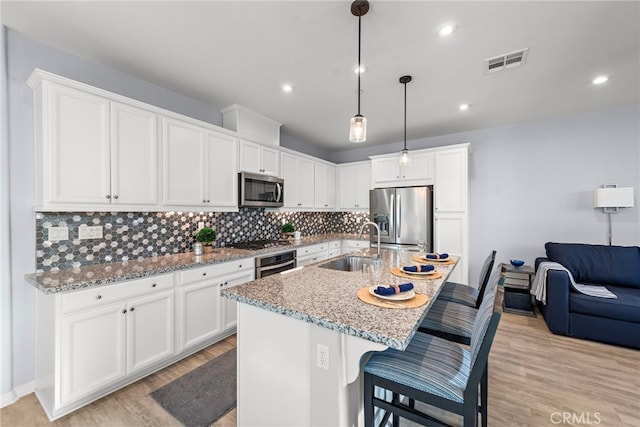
pixel 529 183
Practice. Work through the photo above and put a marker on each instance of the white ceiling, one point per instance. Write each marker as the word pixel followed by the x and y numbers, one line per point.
pixel 226 52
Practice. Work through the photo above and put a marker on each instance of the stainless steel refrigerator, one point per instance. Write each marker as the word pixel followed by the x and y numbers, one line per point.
pixel 404 215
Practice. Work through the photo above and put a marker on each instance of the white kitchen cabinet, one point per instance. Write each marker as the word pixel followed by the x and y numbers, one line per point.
pixel 335 248
pixel 93 341
pixel 311 254
pixel 386 170
pixel 203 314
pixel 353 184
pixel 199 166
pixel 451 180
pixel 325 186
pixel 298 175
pixel 258 158
pixel 92 152
pixel 349 246
pixel 450 235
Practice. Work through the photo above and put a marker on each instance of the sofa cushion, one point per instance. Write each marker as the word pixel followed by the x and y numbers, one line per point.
pixel 598 264
pixel 625 307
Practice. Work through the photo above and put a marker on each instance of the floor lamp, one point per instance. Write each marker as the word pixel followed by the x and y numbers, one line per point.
pixel 611 198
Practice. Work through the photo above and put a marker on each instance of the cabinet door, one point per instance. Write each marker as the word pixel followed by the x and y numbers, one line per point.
pixel 184 168
pixel 419 171
pixel 78 135
pixel 221 168
pixel 385 172
pixel 451 180
pixel 199 312
pixel 451 236
pixel 290 176
pixel 363 176
pixel 305 183
pixel 346 187
pixel 270 161
pixel 92 353
pixel 134 156
pixel 150 330
pixel 229 308
pixel 250 157
pixel 325 183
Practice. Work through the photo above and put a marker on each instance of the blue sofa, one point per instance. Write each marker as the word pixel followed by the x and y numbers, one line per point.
pixel 567 312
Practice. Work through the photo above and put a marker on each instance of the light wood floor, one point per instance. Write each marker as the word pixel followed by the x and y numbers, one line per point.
pixel 535 377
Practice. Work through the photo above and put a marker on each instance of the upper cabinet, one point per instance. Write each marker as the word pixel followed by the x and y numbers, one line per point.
pixel 258 158
pixel 199 166
pixel 298 176
pixel 92 152
pixel 325 185
pixel 451 177
pixel 353 182
pixel 386 170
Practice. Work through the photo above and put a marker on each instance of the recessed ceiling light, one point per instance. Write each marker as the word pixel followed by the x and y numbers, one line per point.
pixel 600 79
pixel 446 30
pixel 463 107
pixel 287 88
pixel 359 70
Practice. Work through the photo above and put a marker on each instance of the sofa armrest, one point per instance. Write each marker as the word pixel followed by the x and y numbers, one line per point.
pixel 539 260
pixel 556 311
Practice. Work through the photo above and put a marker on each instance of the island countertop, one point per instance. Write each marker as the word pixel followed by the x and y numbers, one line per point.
pixel 327 298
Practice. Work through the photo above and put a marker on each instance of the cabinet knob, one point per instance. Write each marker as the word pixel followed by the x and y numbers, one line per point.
pixel 115 197
pixel 124 311
pixel 153 285
pixel 108 196
pixel 226 283
pixel 240 266
pixel 99 297
pixel 204 201
pixel 204 274
pixel 208 201
pixel 132 308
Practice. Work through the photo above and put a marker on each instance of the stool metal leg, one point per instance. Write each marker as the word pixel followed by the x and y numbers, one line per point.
pixel 484 398
pixel 368 401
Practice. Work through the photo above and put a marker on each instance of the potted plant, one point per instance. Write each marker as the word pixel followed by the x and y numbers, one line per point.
pixel 288 229
pixel 206 236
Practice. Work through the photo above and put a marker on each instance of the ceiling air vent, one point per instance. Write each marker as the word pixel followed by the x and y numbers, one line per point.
pixel 506 61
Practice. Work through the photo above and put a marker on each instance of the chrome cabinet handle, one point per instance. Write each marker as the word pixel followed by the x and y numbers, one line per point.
pixel 99 297
pixel 108 196
pixel 115 197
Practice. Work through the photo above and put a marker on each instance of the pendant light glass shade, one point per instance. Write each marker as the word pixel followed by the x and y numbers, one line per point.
pixel 404 158
pixel 358 123
pixel 358 129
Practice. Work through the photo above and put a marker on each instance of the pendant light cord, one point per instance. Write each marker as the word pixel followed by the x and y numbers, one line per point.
pixel 405 116
pixel 359 67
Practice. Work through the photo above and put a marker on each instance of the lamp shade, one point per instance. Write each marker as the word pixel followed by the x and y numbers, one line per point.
pixel 358 129
pixel 613 197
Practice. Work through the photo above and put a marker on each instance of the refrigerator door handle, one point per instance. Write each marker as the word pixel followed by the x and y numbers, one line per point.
pixel 399 216
pixel 392 224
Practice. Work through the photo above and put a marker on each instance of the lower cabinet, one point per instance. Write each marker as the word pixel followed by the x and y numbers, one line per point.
pixel 354 245
pixel 450 234
pixel 311 254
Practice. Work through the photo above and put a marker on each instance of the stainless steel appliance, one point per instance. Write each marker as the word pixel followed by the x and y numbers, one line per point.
pixel 404 215
pixel 275 263
pixel 267 265
pixel 260 191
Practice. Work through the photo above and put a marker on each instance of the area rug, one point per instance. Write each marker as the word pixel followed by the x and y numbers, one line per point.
pixel 204 394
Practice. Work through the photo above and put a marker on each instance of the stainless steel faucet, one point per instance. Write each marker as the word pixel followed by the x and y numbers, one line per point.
pixel 377 228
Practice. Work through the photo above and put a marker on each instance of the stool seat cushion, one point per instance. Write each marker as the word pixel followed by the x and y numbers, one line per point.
pixel 457 292
pixel 429 364
pixel 450 317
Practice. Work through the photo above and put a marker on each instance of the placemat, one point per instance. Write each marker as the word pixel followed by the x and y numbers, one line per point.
pixel 418 258
pixel 397 272
pixel 417 301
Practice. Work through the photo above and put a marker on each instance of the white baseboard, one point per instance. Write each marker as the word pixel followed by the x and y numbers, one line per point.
pixel 15 394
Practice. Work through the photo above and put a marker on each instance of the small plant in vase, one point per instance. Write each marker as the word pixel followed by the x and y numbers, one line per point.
pixel 206 236
pixel 288 229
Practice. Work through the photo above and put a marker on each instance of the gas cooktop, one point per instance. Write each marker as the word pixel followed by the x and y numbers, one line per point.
pixel 260 244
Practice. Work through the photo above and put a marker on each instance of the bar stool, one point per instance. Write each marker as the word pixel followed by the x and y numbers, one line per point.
pixel 434 371
pixel 468 295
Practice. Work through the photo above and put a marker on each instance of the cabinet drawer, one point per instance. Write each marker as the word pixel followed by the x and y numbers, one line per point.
pixel 97 297
pixel 312 249
pixel 334 244
pixel 215 270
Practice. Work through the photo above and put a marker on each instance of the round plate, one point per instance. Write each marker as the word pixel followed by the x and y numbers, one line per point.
pixel 419 273
pixel 434 260
pixel 402 296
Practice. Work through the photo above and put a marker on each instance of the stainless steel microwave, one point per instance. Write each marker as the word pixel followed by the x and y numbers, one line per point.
pixel 260 191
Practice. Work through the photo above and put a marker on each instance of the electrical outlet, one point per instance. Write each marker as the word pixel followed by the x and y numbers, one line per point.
pixel 323 357
pixel 56 234
pixel 85 232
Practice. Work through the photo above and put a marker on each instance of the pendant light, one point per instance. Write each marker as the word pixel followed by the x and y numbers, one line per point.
pixel 404 154
pixel 358 123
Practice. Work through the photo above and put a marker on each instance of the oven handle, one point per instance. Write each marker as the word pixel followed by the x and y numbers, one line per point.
pixel 274 266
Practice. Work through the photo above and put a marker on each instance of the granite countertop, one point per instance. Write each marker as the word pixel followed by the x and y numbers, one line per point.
pixel 328 299
pixel 103 274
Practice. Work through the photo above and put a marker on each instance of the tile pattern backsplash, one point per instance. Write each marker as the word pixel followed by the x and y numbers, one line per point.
pixel 135 235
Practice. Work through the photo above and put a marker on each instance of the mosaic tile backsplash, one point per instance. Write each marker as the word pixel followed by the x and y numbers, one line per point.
pixel 129 236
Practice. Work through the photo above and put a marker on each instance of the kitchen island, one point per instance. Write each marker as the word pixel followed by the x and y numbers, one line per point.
pixel 302 336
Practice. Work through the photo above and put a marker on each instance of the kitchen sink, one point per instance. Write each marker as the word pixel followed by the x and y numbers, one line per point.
pixel 348 263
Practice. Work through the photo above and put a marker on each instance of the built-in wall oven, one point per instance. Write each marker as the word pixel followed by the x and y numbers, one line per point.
pixel 275 263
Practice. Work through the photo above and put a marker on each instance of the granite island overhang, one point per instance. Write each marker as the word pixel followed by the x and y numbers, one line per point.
pixel 303 338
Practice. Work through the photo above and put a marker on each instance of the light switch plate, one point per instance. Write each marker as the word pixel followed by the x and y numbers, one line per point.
pixel 56 234
pixel 94 232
